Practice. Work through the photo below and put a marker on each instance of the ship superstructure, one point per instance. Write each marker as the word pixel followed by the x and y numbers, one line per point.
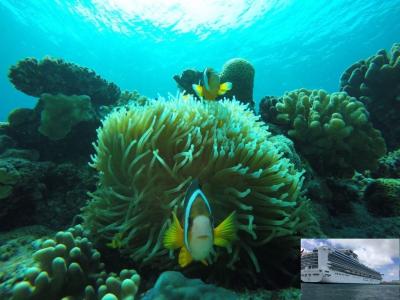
pixel 329 265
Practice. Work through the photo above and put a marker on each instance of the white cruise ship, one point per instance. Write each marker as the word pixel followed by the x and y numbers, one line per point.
pixel 328 265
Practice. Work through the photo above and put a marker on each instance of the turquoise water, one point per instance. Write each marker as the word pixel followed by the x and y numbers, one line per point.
pixel 141 45
pixel 349 292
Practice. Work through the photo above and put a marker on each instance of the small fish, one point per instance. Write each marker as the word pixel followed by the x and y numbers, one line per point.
pixel 212 86
pixel 116 242
pixel 198 235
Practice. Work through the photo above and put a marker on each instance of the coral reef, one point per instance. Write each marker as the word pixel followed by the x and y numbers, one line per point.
pixel 174 285
pixel 54 76
pixel 331 131
pixel 241 73
pixel 69 266
pixel 376 82
pixel 60 113
pixel 146 157
pixel 383 197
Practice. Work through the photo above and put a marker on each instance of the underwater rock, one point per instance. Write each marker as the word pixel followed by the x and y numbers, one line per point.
pixel 240 73
pixel 56 76
pixel 375 81
pixel 331 131
pixel 383 197
pixel 70 266
pixel 147 156
pixel 60 113
pixel 187 79
pixel 173 285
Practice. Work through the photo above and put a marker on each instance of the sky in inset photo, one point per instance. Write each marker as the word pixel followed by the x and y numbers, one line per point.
pixel 382 255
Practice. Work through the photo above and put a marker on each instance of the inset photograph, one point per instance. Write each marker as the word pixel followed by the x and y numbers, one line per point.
pixel 350 269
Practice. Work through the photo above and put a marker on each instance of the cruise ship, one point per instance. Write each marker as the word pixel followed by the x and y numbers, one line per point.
pixel 328 265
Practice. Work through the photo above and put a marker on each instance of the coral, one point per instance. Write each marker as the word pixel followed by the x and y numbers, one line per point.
pixel 376 82
pixel 69 266
pixel 147 156
pixel 19 116
pixel 8 177
pixel 388 165
pixel 56 76
pixel 60 113
pixel 187 79
pixel 6 142
pixel 76 146
pixel 241 73
pixel 126 97
pixel 383 197
pixel 19 187
pixel 37 192
pixel 174 285
pixel 16 248
pixel 331 131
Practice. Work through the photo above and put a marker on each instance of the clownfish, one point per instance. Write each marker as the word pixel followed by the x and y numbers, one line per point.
pixel 212 86
pixel 198 235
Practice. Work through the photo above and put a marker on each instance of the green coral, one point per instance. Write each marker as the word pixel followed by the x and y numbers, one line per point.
pixel 241 73
pixel 147 156
pixel 60 113
pixel 376 82
pixel 331 130
pixel 383 197
pixel 69 266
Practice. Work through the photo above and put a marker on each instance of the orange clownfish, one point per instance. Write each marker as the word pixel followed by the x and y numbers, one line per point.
pixel 198 235
pixel 212 87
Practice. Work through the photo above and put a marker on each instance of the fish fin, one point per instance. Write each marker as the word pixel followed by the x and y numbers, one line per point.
pixel 173 238
pixel 224 87
pixel 198 89
pixel 225 232
pixel 204 262
pixel 184 258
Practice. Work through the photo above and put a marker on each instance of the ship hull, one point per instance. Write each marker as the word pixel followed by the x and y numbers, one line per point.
pixel 324 276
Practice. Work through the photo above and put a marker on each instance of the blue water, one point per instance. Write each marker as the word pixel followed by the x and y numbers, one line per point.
pixel 312 291
pixel 292 43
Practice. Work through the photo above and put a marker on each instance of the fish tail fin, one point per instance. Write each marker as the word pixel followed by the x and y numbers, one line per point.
pixel 173 238
pixel 225 232
pixel 198 89
pixel 224 87
pixel 184 258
